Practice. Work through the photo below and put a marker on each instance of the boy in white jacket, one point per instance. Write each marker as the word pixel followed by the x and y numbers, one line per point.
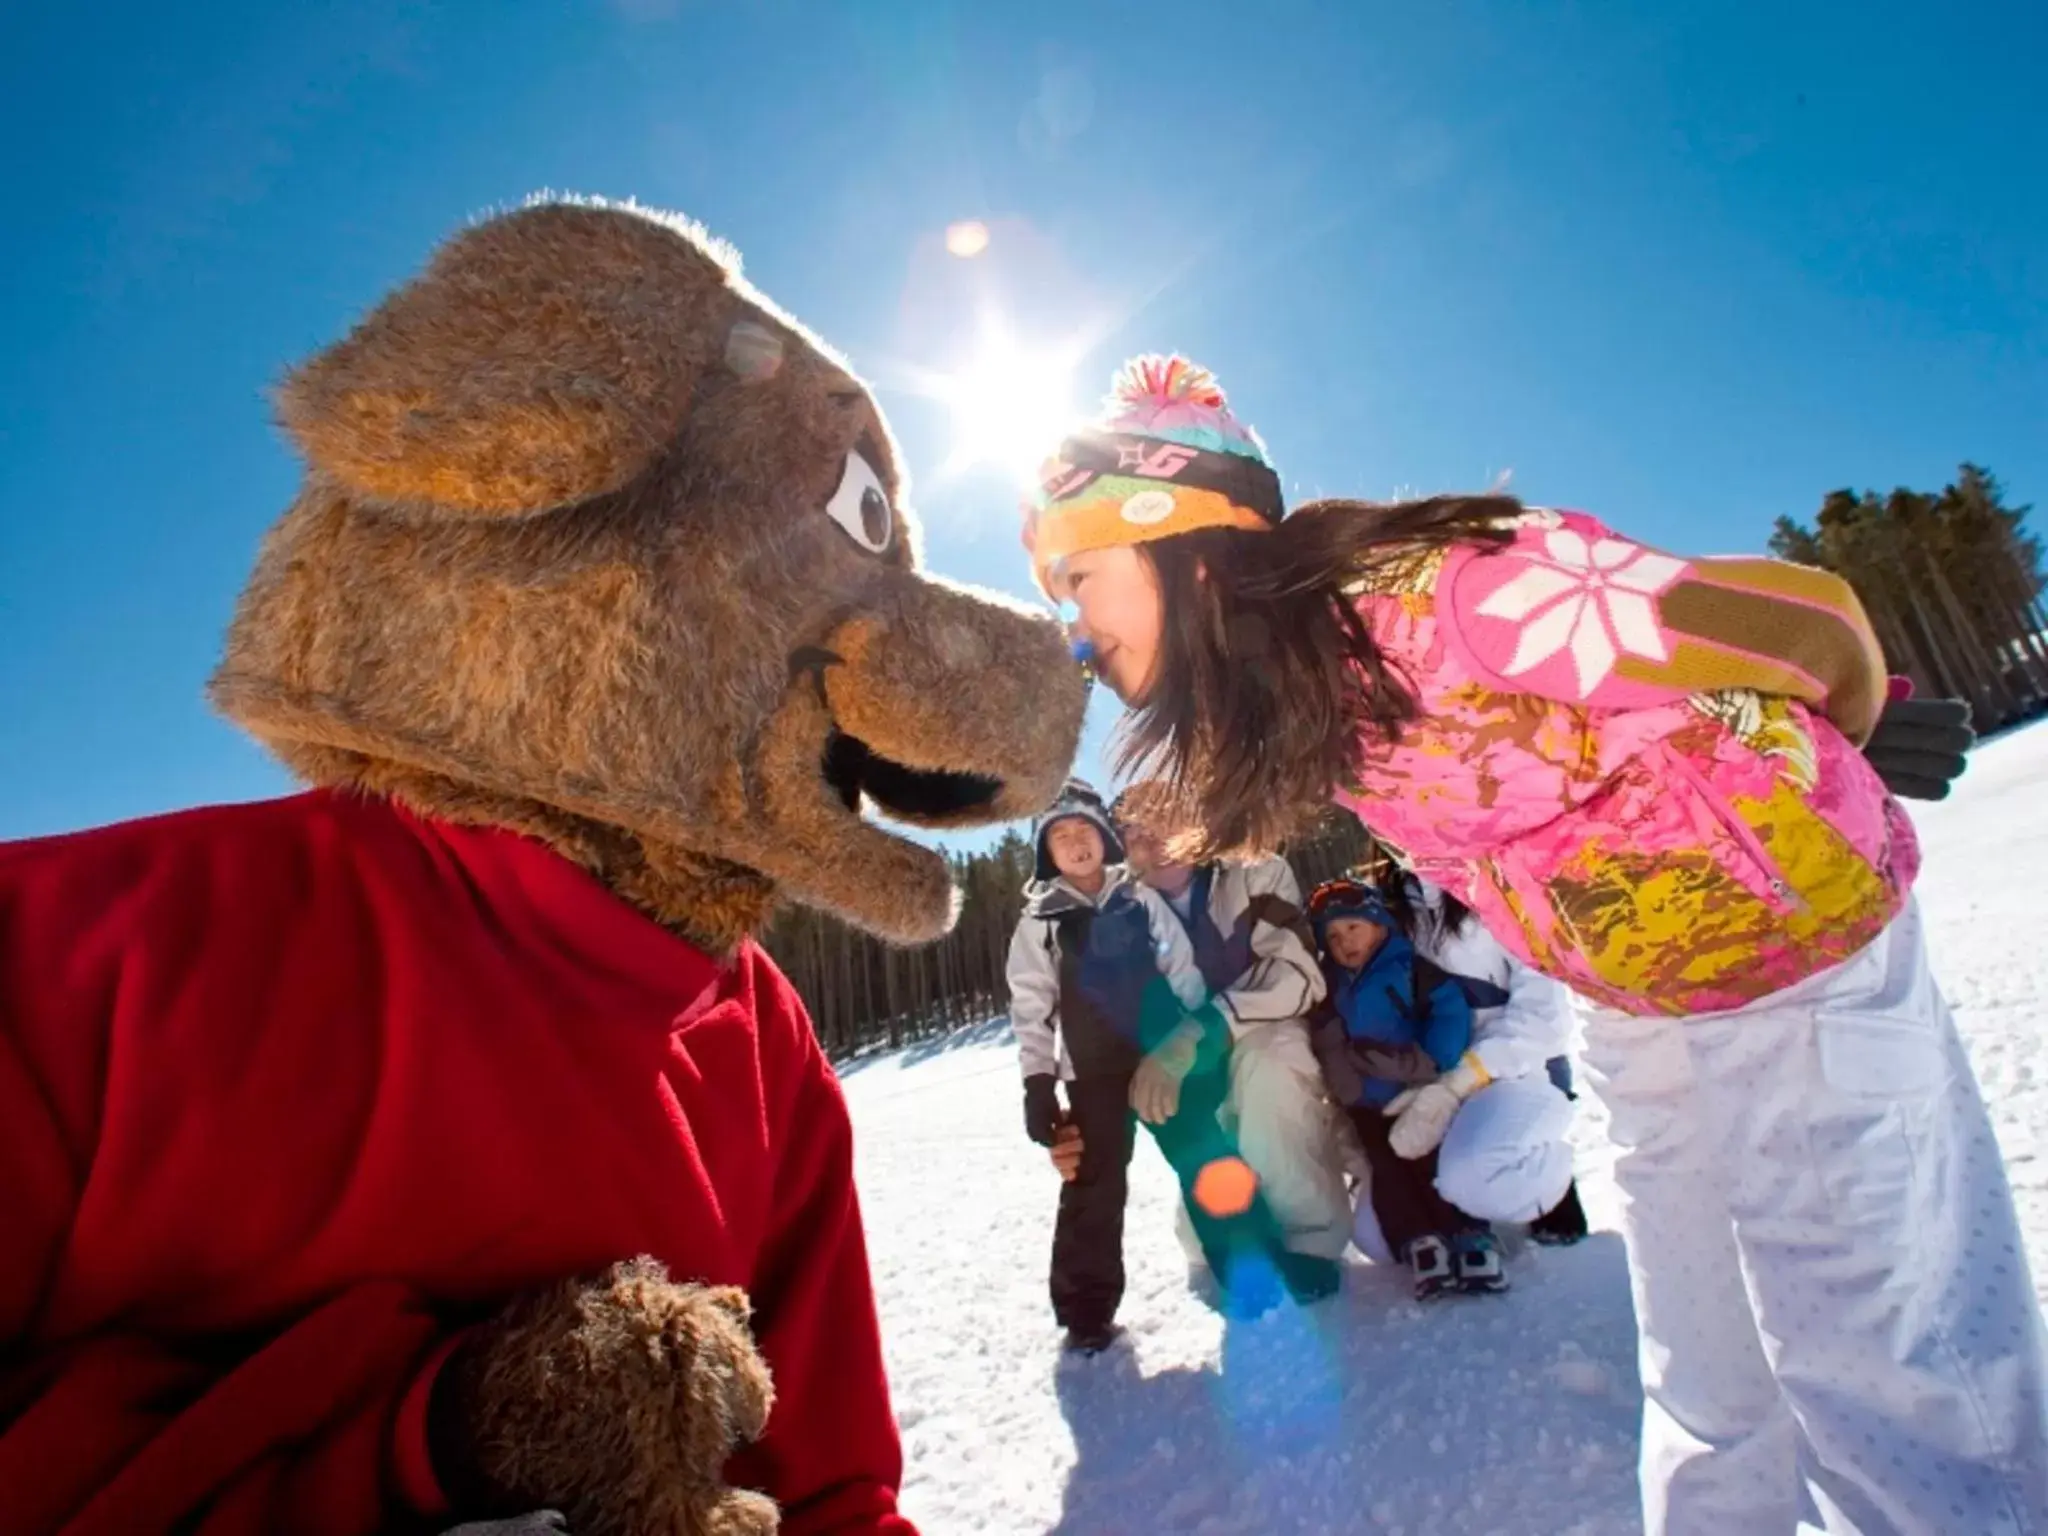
pixel 1245 924
pixel 1105 997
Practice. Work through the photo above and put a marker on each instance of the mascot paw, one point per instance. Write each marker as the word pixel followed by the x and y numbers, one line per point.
pixel 542 1522
pixel 616 1400
pixel 741 1513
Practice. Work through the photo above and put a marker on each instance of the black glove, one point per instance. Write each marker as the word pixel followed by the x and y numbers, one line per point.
pixel 1042 1113
pixel 1918 746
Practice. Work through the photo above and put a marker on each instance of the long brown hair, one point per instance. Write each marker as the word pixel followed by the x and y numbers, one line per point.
pixel 1268 681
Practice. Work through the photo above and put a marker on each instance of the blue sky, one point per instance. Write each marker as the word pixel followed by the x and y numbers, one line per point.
pixel 1688 271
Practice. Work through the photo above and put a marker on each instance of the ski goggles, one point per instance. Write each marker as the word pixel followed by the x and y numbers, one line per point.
pixel 1345 897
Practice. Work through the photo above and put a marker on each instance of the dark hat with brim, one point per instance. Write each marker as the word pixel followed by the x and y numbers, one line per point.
pixel 1077 801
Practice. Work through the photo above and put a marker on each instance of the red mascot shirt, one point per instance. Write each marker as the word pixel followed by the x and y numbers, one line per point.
pixel 284 1085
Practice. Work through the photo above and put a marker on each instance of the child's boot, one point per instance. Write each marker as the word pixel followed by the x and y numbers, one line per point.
pixel 1478 1260
pixel 1092 1338
pixel 1309 1278
pixel 1429 1262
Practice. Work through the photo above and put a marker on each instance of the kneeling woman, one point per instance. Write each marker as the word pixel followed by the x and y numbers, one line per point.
pixel 1506 1153
pixel 1394 1023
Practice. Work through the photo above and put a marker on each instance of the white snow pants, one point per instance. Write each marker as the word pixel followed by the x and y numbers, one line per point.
pixel 1837 1320
pixel 1506 1157
pixel 1286 1130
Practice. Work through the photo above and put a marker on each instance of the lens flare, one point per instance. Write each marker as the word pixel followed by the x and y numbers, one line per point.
pixel 1010 405
pixel 1226 1188
pixel 967 239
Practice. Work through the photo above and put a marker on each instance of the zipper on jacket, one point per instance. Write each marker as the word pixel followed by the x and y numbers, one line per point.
pixel 1743 833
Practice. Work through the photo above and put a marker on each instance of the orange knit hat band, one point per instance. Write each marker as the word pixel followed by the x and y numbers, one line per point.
pixel 1110 488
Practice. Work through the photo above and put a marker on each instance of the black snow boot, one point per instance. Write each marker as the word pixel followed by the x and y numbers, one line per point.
pixel 1092 1338
pixel 1563 1224
pixel 1308 1278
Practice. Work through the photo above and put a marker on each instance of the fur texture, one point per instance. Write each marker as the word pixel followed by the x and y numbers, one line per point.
pixel 563 561
pixel 618 1403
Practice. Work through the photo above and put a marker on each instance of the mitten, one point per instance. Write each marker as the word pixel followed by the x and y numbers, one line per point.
pixel 617 1401
pixel 1918 745
pixel 1155 1086
pixel 1042 1114
pixel 1422 1115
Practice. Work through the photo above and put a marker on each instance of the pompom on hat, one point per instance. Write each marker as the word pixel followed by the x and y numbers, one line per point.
pixel 1165 457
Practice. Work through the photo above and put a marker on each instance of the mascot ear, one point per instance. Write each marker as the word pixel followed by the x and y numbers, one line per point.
pixel 543 358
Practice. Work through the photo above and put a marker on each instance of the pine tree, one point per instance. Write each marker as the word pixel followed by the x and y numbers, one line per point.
pixel 1952 583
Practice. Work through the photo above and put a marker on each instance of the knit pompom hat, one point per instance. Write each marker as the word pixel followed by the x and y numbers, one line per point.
pixel 1164 457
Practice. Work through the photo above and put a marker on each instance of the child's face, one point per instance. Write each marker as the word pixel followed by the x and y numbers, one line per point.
pixel 1076 848
pixel 1353 941
pixel 1122 616
pixel 1145 852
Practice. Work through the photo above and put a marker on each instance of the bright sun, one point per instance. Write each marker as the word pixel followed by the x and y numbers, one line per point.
pixel 1010 405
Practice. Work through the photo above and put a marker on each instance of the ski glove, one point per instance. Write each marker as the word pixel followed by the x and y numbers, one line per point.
pixel 1042 1114
pixel 1155 1087
pixel 1422 1115
pixel 1918 746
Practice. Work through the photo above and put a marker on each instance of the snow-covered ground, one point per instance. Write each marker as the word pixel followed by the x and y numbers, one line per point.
pixel 1511 1416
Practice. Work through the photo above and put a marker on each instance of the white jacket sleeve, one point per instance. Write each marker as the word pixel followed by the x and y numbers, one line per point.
pixel 1034 978
pixel 1170 944
pixel 1533 1026
pixel 1284 981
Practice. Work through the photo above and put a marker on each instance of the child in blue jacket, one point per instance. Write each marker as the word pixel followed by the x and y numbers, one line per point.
pixel 1393 1022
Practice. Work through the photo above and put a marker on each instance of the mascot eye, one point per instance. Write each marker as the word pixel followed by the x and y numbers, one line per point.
pixel 861 507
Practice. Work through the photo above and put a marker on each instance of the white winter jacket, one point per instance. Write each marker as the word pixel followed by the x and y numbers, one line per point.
pixel 1520 1035
pixel 1033 970
pixel 1256 909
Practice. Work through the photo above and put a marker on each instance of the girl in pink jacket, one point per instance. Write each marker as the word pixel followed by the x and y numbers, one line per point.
pixel 1646 775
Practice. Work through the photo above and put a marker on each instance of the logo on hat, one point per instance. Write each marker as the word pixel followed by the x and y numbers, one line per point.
pixel 1148 507
pixel 1164 461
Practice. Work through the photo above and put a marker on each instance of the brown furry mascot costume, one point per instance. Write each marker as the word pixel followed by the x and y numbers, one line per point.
pixel 436 1145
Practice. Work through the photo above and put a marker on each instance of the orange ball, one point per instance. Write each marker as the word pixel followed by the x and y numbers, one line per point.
pixel 1226 1187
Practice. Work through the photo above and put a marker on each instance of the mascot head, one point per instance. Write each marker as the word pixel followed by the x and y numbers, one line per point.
pixel 596 544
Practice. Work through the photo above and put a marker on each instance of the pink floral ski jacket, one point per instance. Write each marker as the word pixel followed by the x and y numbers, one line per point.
pixel 1639 770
